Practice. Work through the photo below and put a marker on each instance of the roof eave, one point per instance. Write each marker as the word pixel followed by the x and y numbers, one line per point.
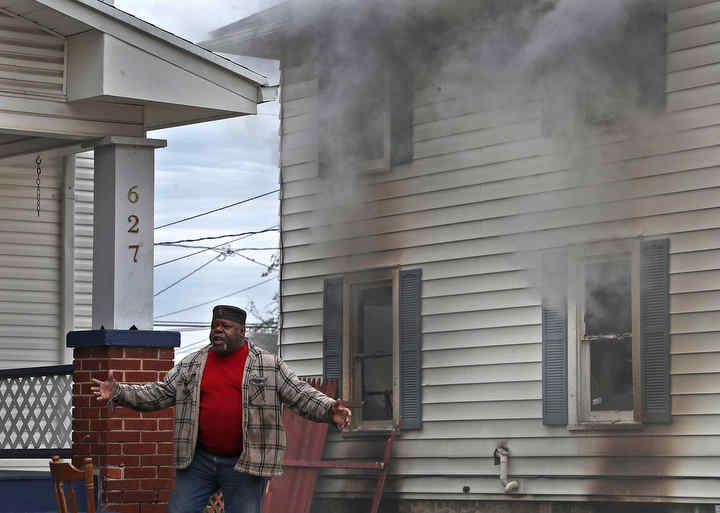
pixel 111 20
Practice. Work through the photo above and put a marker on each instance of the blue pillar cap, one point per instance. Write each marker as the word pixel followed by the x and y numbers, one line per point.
pixel 123 338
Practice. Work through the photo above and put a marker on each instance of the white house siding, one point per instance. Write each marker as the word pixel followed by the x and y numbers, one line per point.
pixel 32 60
pixel 31 251
pixel 467 218
pixel 30 260
pixel 83 242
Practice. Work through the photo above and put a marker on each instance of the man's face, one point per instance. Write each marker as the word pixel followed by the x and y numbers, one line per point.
pixel 227 336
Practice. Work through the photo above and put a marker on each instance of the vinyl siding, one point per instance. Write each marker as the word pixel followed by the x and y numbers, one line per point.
pixel 485 193
pixel 32 60
pixel 83 242
pixel 31 271
pixel 30 258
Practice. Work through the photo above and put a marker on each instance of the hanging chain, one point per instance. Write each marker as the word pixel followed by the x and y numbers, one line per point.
pixel 38 163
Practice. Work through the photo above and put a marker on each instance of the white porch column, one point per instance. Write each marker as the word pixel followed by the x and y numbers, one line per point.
pixel 123 233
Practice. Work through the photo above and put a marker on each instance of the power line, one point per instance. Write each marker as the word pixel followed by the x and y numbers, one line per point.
pixel 216 299
pixel 185 256
pixel 198 325
pixel 216 210
pixel 176 242
pixel 189 274
pixel 223 252
pixel 206 248
pixel 186 349
pixel 203 250
pixel 252 260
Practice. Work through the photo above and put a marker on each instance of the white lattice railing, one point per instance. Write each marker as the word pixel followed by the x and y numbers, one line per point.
pixel 36 412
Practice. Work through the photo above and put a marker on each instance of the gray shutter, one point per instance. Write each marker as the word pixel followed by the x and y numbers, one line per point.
pixel 554 340
pixel 410 349
pixel 332 329
pixel 655 331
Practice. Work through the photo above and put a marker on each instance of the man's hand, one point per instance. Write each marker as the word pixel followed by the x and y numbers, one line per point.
pixel 340 415
pixel 104 389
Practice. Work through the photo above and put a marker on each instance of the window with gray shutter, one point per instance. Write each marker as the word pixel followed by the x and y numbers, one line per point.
pixel 332 328
pixel 380 303
pixel 410 349
pixel 655 330
pixel 623 328
pixel 554 340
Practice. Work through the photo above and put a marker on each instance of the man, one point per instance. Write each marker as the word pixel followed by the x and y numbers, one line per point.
pixel 228 429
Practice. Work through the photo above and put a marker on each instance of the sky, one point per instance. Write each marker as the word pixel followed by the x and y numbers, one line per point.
pixel 211 165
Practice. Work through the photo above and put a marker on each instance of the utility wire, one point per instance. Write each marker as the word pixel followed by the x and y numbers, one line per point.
pixel 216 210
pixel 206 248
pixel 202 250
pixel 189 347
pixel 175 242
pixel 266 266
pixel 189 274
pixel 215 299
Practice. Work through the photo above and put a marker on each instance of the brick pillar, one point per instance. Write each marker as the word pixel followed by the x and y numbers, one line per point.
pixel 132 451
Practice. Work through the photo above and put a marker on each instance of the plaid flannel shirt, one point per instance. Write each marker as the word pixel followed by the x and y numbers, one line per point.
pixel 268 383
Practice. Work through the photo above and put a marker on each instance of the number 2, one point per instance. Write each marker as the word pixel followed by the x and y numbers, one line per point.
pixel 135 220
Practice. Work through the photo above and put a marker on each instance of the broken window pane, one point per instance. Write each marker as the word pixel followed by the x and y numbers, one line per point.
pixel 608 300
pixel 373 350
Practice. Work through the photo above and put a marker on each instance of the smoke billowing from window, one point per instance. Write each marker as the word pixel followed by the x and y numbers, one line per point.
pixel 593 69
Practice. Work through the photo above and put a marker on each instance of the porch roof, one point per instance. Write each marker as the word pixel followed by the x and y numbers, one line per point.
pixel 124 70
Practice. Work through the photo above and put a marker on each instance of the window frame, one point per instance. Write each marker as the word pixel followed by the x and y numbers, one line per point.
pixel 349 378
pixel 387 90
pixel 579 407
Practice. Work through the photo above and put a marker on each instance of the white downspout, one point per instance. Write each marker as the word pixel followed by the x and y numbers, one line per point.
pixel 502 455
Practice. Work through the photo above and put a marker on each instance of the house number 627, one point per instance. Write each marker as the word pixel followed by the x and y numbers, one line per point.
pixel 133 197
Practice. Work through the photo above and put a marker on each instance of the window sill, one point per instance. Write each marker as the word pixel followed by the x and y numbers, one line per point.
pixel 367 432
pixel 607 426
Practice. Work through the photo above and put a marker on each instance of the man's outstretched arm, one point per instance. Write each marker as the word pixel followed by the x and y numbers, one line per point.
pixel 148 397
pixel 307 401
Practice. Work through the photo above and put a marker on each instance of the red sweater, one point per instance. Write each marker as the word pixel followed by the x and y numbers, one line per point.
pixel 220 423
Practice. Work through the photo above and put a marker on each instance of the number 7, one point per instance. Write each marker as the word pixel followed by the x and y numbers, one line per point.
pixel 136 247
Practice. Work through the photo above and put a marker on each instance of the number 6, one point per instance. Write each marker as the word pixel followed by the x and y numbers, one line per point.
pixel 133 195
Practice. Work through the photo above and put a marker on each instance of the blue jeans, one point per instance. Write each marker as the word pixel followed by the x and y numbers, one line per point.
pixel 242 492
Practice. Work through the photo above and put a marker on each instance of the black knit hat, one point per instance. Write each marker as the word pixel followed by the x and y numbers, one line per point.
pixel 230 313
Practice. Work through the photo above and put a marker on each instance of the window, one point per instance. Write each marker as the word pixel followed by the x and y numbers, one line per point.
pixel 372 345
pixel 355 126
pixel 606 342
pixel 372 349
pixel 366 123
pixel 608 353
pixel 612 75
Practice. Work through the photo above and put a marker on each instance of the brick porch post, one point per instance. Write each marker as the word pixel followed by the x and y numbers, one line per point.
pixel 133 451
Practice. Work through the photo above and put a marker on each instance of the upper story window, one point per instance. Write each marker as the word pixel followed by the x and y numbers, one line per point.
pixel 366 97
pixel 599 79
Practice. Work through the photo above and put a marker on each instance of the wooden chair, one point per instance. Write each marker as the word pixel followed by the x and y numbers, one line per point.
pixel 66 473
